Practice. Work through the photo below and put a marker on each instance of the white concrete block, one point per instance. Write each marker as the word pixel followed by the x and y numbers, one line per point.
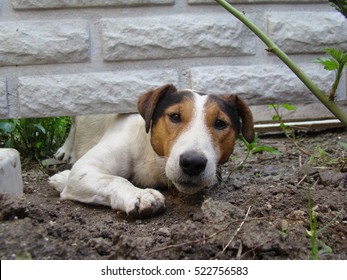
pixel 308 32
pixel 179 36
pixel 10 172
pixel 93 93
pixel 260 84
pixel 43 42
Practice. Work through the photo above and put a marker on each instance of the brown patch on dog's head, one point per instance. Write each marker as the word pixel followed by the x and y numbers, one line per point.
pixel 147 103
pixel 167 113
pixel 170 119
pixel 223 116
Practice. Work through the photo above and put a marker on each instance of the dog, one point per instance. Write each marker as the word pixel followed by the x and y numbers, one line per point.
pixel 178 136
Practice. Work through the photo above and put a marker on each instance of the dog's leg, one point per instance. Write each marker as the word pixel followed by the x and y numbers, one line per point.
pixel 59 180
pixel 89 185
pixel 65 152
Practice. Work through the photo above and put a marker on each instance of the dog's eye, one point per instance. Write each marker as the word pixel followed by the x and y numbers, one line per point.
pixel 175 118
pixel 220 125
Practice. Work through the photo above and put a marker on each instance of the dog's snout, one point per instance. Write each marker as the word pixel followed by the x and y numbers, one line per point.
pixel 192 163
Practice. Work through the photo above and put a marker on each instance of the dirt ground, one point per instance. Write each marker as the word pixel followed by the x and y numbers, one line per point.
pixel 258 212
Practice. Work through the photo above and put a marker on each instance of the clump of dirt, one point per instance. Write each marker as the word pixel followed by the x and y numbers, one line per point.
pixel 257 212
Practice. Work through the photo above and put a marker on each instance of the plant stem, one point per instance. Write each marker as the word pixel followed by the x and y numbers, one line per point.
pixel 330 105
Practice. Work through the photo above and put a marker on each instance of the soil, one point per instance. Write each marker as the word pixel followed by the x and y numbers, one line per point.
pixel 259 211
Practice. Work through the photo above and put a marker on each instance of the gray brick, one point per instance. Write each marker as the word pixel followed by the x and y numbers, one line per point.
pixel 177 36
pixel 92 93
pixel 3 98
pixel 47 4
pixel 43 42
pixel 308 32
pixel 260 84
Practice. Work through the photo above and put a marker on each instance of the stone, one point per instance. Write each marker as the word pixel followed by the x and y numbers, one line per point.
pixel 308 32
pixel 43 42
pixel 260 84
pixel 179 36
pixel 10 172
pixel 92 93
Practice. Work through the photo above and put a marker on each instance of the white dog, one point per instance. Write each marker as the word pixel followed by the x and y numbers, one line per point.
pixel 178 136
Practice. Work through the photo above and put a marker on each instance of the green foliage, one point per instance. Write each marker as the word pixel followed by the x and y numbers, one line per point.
pixel 336 62
pixel 343 144
pixel 36 138
pixel 340 5
pixel 254 147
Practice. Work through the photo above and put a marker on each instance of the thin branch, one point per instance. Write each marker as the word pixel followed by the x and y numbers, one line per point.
pixel 272 47
pixel 235 233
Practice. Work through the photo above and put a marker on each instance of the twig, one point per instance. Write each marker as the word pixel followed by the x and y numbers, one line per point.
pixel 331 106
pixel 303 178
pixel 235 233
pixel 203 239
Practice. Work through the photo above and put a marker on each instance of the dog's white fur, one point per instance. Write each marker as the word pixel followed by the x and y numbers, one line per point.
pixel 99 176
pixel 115 164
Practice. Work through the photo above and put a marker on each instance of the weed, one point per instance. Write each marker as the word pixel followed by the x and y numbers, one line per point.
pixel 288 131
pixel 314 232
pixel 35 138
pixel 336 62
pixel 253 148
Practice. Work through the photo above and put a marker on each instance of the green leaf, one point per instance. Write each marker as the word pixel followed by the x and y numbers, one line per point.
pixel 329 64
pixel 288 107
pixel 7 127
pixel 275 118
pixel 283 125
pixel 267 149
pixel 40 128
pixel 343 144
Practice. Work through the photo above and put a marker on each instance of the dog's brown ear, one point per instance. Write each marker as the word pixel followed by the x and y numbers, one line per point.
pixel 247 125
pixel 147 102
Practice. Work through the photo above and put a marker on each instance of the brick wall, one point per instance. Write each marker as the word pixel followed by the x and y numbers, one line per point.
pixel 96 56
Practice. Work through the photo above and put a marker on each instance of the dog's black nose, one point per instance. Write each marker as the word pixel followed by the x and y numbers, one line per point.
pixel 192 163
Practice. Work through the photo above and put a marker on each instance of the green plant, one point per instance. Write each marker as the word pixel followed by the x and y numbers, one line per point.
pixel 273 48
pixel 35 138
pixel 343 144
pixel 254 147
pixel 314 232
pixel 336 62
pixel 288 131
pixel 340 5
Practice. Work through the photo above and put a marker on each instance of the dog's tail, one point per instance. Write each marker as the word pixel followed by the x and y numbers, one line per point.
pixel 59 180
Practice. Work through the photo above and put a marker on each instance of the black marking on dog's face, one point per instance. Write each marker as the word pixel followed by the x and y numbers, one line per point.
pixel 167 100
pixel 229 109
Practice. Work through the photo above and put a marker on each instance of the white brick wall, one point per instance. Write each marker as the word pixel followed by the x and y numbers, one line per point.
pixel 43 42
pixel 96 56
pixel 178 36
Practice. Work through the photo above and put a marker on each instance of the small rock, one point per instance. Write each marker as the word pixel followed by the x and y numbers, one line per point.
pixel 198 216
pixel 164 231
pixel 330 177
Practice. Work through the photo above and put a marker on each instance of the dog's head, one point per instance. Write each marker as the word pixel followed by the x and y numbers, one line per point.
pixel 194 132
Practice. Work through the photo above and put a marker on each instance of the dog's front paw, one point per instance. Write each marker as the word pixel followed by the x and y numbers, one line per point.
pixel 148 203
pixel 63 154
